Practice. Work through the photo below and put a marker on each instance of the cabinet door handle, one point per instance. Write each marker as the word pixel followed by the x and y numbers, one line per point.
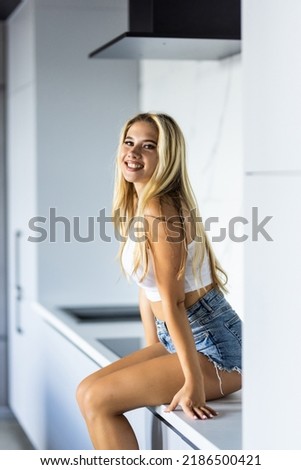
pixel 19 290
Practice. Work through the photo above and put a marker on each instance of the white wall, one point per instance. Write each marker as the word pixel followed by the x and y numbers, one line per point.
pixel 205 98
pixel 272 148
pixel 81 106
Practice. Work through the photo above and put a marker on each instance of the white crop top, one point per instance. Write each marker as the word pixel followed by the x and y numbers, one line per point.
pixel 149 282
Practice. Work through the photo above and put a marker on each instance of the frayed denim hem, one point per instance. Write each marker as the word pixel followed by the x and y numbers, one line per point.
pixel 219 367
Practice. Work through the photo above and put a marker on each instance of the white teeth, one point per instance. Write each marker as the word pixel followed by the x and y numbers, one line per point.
pixel 134 165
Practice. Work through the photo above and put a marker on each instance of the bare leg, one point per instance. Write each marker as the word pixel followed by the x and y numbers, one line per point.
pixel 122 423
pixel 136 357
pixel 135 382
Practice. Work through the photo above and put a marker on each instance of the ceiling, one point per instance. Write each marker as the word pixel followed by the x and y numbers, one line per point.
pixel 7 7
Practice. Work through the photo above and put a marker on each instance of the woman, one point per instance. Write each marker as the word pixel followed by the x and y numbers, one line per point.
pixel 193 336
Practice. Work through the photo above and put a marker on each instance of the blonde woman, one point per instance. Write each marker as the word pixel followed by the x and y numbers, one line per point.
pixel 193 336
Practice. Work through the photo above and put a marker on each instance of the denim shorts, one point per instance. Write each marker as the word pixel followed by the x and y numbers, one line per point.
pixel 216 328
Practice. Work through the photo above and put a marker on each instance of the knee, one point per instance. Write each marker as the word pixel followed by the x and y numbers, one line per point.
pixel 81 392
pixel 96 398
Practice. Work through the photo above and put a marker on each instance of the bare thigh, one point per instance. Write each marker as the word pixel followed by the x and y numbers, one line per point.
pixel 139 381
pixel 142 355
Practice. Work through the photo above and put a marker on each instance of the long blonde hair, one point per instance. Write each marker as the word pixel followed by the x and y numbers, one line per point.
pixel 169 182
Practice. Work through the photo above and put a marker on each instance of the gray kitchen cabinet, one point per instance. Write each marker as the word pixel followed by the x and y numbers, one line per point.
pixel 24 326
pixel 26 371
pixel 25 383
pixel 161 436
pixel 173 441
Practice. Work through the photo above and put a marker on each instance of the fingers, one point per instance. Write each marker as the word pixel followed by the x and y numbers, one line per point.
pixel 190 411
pixel 194 412
pixel 212 411
pixel 204 412
pixel 172 406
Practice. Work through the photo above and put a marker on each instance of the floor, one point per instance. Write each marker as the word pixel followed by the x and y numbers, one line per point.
pixel 12 436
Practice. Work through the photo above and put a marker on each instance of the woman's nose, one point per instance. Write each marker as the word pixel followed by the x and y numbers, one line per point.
pixel 134 152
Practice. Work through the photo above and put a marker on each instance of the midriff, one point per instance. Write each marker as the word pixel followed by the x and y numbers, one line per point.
pixel 190 299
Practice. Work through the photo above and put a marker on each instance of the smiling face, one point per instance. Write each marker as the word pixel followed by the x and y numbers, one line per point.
pixel 139 154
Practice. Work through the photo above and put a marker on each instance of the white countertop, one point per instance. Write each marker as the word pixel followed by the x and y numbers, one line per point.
pixel 223 432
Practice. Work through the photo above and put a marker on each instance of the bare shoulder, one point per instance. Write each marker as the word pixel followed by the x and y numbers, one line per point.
pixel 160 209
pixel 164 221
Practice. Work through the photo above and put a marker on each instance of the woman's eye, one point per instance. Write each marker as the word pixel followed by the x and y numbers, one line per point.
pixel 128 142
pixel 149 146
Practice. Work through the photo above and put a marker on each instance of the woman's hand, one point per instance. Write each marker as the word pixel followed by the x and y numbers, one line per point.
pixel 192 400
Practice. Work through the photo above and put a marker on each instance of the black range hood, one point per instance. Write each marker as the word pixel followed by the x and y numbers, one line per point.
pixel 178 30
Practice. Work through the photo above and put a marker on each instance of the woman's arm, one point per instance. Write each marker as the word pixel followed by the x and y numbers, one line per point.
pixel 148 319
pixel 166 253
